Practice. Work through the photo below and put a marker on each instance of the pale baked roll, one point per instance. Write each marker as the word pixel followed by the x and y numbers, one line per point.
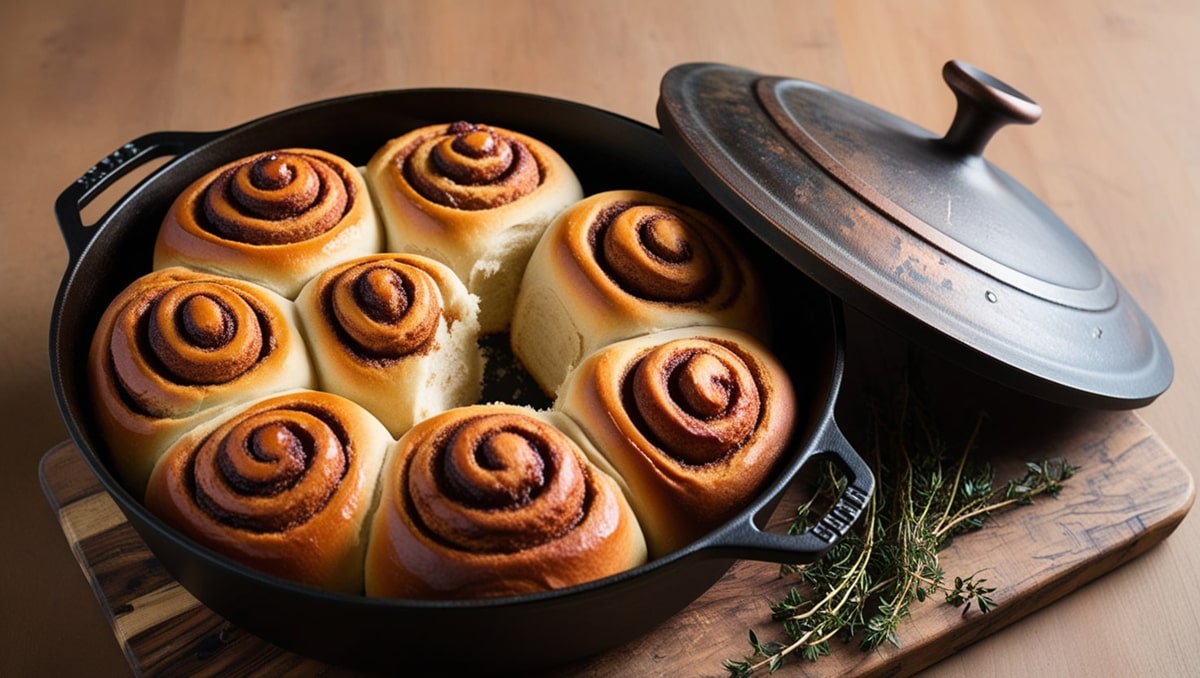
pixel 693 420
pixel 474 197
pixel 284 485
pixel 396 333
pixel 276 218
pixel 174 348
pixel 622 264
pixel 496 500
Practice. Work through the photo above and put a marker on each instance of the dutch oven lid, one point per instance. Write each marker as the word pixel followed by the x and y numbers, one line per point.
pixel 919 230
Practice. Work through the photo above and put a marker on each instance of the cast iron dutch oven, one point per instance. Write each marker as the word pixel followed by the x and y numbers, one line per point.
pixel 509 634
pixel 840 201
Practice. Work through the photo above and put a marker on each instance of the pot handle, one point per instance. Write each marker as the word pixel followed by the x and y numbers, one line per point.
pixel 70 203
pixel 746 540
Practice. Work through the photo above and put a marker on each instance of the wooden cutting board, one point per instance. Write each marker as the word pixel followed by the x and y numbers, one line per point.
pixel 1130 493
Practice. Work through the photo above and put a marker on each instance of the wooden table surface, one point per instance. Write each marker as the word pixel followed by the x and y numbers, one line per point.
pixel 1117 155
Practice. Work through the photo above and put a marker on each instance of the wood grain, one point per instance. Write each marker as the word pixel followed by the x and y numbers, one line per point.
pixel 1116 154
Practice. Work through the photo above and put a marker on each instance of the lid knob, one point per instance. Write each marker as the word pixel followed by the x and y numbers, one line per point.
pixel 985 104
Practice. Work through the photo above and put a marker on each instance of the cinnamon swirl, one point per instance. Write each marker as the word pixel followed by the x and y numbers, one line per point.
pixel 496 500
pixel 177 346
pixel 284 485
pixel 275 218
pixel 474 197
pixel 396 333
pixel 693 420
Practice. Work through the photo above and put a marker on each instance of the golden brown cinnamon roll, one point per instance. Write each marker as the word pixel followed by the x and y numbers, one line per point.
pixel 475 198
pixel 692 420
pixel 495 500
pixel 177 346
pixel 275 218
pixel 396 333
pixel 284 485
pixel 622 264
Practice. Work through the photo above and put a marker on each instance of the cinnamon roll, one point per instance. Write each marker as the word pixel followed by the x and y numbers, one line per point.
pixel 396 333
pixel 496 500
pixel 177 346
pixel 692 420
pixel 474 197
pixel 284 485
pixel 276 218
pixel 623 264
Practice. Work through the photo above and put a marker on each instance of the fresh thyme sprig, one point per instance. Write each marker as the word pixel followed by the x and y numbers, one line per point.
pixel 863 588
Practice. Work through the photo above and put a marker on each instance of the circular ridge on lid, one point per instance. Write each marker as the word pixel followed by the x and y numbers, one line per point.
pixel 919 230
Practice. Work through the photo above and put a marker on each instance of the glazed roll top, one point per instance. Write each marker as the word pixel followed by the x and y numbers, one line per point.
pixel 694 421
pixel 496 500
pixel 284 485
pixel 176 347
pixel 474 197
pixel 396 333
pixel 623 264
pixel 276 218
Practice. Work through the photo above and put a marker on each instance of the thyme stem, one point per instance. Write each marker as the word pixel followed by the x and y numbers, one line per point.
pixel 863 588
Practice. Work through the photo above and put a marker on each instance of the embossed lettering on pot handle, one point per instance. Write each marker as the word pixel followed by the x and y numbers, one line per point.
pixel 70 203
pixel 746 540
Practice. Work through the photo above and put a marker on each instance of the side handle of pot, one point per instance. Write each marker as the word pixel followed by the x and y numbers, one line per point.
pixel 746 540
pixel 70 203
